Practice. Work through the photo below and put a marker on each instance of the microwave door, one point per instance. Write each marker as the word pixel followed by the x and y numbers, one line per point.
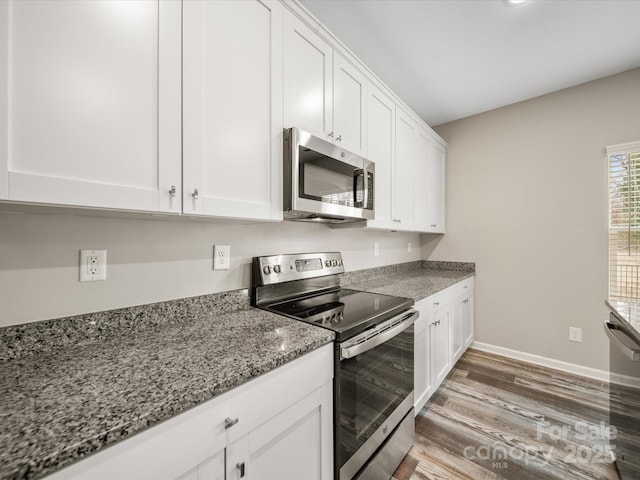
pixel 327 180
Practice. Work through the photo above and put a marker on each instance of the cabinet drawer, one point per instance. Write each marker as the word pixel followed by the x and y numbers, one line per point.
pixel 463 288
pixel 438 300
pixel 266 396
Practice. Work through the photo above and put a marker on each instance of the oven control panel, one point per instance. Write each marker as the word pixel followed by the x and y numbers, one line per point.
pixel 286 268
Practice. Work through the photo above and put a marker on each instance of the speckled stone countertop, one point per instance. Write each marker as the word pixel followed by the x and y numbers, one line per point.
pixel 58 405
pixel 416 280
pixel 70 387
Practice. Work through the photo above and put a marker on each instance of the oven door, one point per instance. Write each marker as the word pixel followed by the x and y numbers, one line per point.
pixel 374 390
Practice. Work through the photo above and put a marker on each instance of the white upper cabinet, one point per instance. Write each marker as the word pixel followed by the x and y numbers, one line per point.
pixel 421 183
pixel 308 79
pixel 90 102
pixel 324 93
pixel 403 174
pixel 435 195
pixel 381 135
pixel 349 106
pixel 232 107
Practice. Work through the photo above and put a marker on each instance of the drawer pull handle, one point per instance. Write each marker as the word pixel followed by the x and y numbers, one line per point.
pixel 172 191
pixel 240 467
pixel 230 422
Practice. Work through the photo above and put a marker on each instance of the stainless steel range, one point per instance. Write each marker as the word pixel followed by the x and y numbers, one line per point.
pixel 373 360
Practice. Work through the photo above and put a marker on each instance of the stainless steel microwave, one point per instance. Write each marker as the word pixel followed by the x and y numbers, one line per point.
pixel 325 183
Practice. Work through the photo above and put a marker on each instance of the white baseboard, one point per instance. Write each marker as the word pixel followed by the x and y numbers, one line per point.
pixel 560 365
pixel 544 361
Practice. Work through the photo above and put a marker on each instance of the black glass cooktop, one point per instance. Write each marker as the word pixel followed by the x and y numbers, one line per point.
pixel 346 312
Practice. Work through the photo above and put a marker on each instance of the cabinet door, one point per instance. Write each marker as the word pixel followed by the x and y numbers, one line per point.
pixel 467 318
pixel 232 70
pixel 91 92
pixel 211 469
pixel 349 106
pixel 403 183
pixel 422 192
pixel 423 386
pixel 457 318
pixel 294 445
pixel 308 79
pixel 435 183
pixel 381 128
pixel 440 345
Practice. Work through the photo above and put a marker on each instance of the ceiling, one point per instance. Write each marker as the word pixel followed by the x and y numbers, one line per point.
pixel 449 59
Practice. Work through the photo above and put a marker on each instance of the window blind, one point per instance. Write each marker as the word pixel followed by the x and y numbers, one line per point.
pixel 624 221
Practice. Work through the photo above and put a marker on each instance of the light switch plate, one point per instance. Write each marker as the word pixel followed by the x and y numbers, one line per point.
pixel 221 257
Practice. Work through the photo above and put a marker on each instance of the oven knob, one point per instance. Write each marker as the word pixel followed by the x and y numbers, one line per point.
pixel 334 263
pixel 267 270
pixel 327 263
pixel 276 269
pixel 339 262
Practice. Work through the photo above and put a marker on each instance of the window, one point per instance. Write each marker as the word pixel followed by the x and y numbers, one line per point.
pixel 624 221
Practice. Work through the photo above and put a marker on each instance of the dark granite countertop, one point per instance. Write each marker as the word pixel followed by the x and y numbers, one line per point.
pixel 60 405
pixel 72 386
pixel 414 281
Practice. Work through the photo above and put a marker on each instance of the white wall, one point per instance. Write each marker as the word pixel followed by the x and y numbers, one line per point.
pixel 527 201
pixel 154 260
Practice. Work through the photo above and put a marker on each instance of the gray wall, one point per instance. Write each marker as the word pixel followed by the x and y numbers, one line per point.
pixel 527 201
pixel 154 260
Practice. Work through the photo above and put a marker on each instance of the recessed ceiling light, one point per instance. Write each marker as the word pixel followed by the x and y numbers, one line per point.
pixel 515 2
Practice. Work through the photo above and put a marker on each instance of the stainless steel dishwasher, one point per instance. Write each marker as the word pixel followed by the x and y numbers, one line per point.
pixel 624 388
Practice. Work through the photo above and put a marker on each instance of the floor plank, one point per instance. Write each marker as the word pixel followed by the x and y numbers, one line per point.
pixel 496 418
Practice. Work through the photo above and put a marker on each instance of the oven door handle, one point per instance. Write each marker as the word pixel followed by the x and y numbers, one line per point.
pixel 623 341
pixel 350 351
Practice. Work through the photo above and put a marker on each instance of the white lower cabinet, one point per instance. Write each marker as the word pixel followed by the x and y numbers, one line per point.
pixel 443 332
pixel 279 426
pixel 467 312
pixel 422 378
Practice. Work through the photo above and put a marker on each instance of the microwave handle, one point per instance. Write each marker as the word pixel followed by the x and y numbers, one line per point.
pixel 361 176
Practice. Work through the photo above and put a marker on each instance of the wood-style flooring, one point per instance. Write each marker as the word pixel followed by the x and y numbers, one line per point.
pixel 499 418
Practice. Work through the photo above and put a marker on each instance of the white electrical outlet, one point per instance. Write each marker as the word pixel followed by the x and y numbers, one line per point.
pixel 376 249
pixel 221 257
pixel 409 247
pixel 93 265
pixel 575 334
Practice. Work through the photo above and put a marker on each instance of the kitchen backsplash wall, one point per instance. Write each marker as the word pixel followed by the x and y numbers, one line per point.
pixel 155 260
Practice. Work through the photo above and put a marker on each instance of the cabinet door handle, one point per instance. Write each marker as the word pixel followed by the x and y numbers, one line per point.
pixel 339 139
pixel 230 422
pixel 433 225
pixel 330 134
pixel 435 304
pixel 195 194
pixel 172 191
pixel 240 467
